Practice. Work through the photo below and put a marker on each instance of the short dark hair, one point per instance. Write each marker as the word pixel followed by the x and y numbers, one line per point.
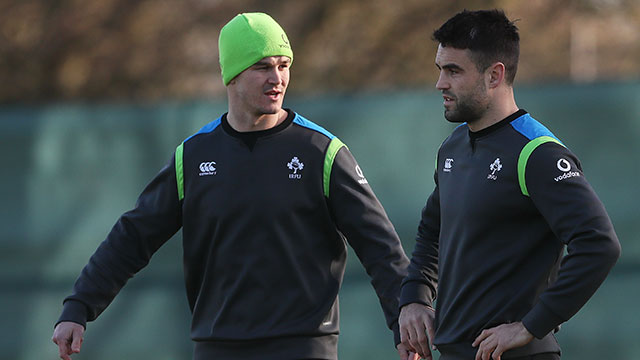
pixel 490 36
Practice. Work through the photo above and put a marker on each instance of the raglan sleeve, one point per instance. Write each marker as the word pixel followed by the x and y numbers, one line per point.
pixel 560 191
pixel 420 285
pixel 362 220
pixel 128 247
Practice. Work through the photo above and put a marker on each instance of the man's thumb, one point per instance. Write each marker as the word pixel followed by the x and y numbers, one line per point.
pixel 77 341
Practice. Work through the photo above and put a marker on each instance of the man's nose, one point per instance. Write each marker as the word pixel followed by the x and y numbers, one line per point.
pixel 442 83
pixel 275 77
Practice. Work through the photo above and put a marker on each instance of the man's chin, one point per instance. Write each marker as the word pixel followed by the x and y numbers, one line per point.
pixel 272 110
pixel 451 117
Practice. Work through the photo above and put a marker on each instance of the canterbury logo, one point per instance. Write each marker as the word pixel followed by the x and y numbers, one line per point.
pixel 207 168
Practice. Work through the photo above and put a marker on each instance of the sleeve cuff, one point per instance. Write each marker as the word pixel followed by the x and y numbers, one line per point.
pixel 74 311
pixel 415 292
pixel 396 333
pixel 540 321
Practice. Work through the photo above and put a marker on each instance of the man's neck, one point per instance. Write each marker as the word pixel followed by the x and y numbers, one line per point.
pixel 502 106
pixel 245 122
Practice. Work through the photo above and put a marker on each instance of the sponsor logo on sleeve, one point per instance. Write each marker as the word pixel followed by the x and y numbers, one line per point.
pixel 362 179
pixel 565 166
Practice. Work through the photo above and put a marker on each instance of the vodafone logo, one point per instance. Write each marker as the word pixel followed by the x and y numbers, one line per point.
pixel 207 168
pixel 362 179
pixel 563 165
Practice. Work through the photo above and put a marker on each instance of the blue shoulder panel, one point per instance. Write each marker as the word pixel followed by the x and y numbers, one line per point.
pixel 311 125
pixel 207 128
pixel 531 128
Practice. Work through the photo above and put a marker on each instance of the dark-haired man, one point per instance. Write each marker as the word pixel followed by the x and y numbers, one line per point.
pixel 266 200
pixel 509 197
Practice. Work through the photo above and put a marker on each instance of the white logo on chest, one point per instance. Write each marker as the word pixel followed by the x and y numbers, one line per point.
pixel 494 167
pixel 296 165
pixel 207 168
pixel 448 164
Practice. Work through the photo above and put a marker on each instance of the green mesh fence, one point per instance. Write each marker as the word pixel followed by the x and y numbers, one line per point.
pixel 69 171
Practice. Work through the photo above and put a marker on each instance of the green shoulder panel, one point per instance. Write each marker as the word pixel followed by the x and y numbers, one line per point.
pixel 526 152
pixel 334 146
pixel 179 171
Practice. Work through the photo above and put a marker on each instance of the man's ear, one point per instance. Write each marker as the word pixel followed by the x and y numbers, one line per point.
pixel 495 75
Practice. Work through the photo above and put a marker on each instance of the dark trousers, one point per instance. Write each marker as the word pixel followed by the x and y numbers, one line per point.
pixel 545 356
pixel 542 356
pixel 542 349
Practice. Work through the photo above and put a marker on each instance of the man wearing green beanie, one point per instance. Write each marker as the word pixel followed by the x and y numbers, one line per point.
pixel 267 201
pixel 248 38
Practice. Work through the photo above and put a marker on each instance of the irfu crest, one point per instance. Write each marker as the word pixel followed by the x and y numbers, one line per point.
pixel 295 165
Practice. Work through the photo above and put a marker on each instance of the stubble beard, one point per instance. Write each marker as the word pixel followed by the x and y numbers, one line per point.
pixel 469 108
pixel 465 112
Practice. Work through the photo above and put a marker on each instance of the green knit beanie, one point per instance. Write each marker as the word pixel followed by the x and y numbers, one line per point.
pixel 246 39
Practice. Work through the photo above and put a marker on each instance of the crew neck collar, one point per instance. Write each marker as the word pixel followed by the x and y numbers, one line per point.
pixel 251 137
pixel 497 126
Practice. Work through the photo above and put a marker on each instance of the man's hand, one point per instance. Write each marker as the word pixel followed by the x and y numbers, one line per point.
pixel 68 336
pixel 406 354
pixel 493 342
pixel 416 321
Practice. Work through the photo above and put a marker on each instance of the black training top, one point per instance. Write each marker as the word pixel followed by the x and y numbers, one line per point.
pixel 264 216
pixel 490 243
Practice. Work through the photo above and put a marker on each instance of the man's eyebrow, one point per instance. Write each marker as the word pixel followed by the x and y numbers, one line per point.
pixel 268 63
pixel 449 66
pixel 262 62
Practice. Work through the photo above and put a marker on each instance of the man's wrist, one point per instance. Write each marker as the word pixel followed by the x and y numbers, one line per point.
pixel 525 332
